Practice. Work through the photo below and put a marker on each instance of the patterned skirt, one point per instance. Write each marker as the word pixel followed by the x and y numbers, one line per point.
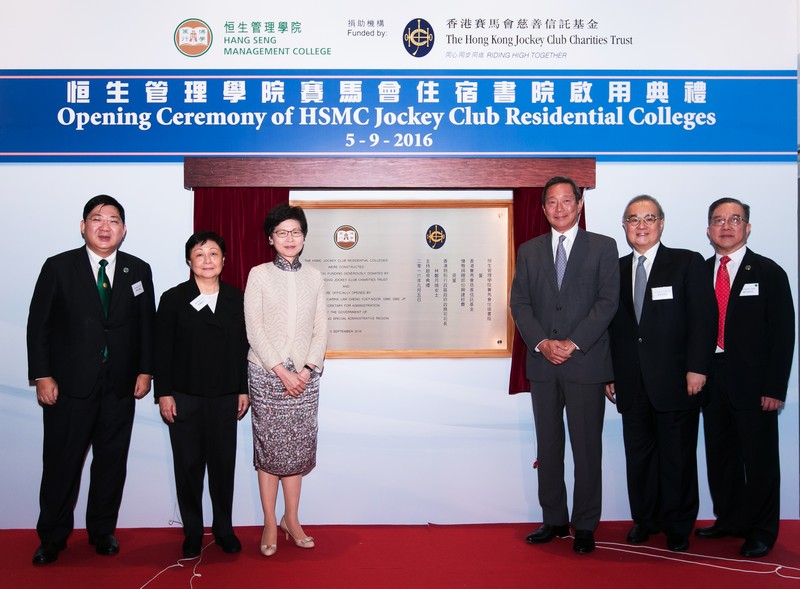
pixel 284 427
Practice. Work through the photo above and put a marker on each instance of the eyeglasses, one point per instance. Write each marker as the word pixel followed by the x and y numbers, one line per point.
pixel 114 222
pixel 283 234
pixel 635 220
pixel 733 221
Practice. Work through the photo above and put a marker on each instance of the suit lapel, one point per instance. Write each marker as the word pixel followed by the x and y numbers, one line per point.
pixel 626 284
pixel 659 276
pixel 577 256
pixel 744 275
pixel 547 261
pixel 223 301
pixel 86 279
pixel 122 282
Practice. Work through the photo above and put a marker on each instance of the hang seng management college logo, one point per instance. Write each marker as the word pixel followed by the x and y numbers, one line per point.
pixel 418 37
pixel 193 37
pixel 345 237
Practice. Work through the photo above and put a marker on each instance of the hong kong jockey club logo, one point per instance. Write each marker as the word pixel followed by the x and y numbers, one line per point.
pixel 418 37
pixel 345 237
pixel 193 37
pixel 435 237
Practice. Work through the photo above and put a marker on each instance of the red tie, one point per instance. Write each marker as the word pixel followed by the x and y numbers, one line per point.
pixel 723 289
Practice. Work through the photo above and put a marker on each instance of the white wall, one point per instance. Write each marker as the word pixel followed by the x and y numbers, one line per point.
pixel 401 441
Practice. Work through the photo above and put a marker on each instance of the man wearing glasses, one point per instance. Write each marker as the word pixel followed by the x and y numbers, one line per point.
pixel 662 345
pixel 90 348
pixel 755 347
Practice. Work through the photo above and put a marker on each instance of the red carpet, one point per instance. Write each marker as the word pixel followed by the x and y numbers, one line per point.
pixel 492 556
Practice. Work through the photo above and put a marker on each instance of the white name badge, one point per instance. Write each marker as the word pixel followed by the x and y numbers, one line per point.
pixel 199 302
pixel 137 288
pixel 749 290
pixel 662 293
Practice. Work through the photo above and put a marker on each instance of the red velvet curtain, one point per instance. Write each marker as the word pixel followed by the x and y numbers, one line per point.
pixel 529 222
pixel 237 214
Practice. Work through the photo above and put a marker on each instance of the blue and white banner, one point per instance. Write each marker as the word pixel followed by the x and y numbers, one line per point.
pixel 628 115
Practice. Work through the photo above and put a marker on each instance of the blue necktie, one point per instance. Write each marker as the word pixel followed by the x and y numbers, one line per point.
pixel 561 259
pixel 639 288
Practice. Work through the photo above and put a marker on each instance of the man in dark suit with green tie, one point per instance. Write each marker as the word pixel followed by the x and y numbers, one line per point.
pixel 90 352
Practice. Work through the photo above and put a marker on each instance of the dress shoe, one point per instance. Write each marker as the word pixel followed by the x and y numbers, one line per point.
pixel 106 545
pixel 546 532
pixel 713 531
pixel 192 546
pixel 638 534
pixel 230 544
pixel 584 541
pixel 48 552
pixel 753 548
pixel 307 542
pixel 268 549
pixel 677 542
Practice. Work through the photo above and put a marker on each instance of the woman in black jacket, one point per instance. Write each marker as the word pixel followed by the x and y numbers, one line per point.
pixel 201 387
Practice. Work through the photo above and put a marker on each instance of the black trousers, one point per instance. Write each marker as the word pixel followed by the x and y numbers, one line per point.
pixel 103 422
pixel 661 465
pixel 743 459
pixel 203 437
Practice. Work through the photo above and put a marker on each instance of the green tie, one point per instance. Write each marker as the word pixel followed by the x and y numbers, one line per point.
pixel 104 287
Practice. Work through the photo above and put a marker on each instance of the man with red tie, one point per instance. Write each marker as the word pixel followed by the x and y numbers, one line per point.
pixel 755 348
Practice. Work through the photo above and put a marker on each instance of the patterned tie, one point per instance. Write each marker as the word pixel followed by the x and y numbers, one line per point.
pixel 639 288
pixel 103 286
pixel 723 288
pixel 561 259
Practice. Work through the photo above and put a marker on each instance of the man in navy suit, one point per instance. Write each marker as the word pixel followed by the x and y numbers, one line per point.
pixel 90 351
pixel 755 349
pixel 662 344
pixel 564 294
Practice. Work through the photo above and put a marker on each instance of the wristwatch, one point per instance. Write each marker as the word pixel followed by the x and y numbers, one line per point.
pixel 313 370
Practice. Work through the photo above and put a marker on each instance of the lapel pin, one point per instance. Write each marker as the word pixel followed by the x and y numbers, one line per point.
pixel 125 270
pixel 747 267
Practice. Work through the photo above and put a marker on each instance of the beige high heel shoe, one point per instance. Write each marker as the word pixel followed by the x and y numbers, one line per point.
pixel 307 542
pixel 267 549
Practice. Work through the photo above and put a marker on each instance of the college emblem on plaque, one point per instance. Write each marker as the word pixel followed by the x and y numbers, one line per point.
pixel 435 237
pixel 345 237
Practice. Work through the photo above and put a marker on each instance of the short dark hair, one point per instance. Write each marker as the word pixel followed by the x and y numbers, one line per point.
pixel 284 212
pixel 105 200
pixel 201 237
pixel 725 200
pixel 644 198
pixel 562 180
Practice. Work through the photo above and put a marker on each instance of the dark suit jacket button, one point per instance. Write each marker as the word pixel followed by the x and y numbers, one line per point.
pixel 558 308
pixel 555 331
